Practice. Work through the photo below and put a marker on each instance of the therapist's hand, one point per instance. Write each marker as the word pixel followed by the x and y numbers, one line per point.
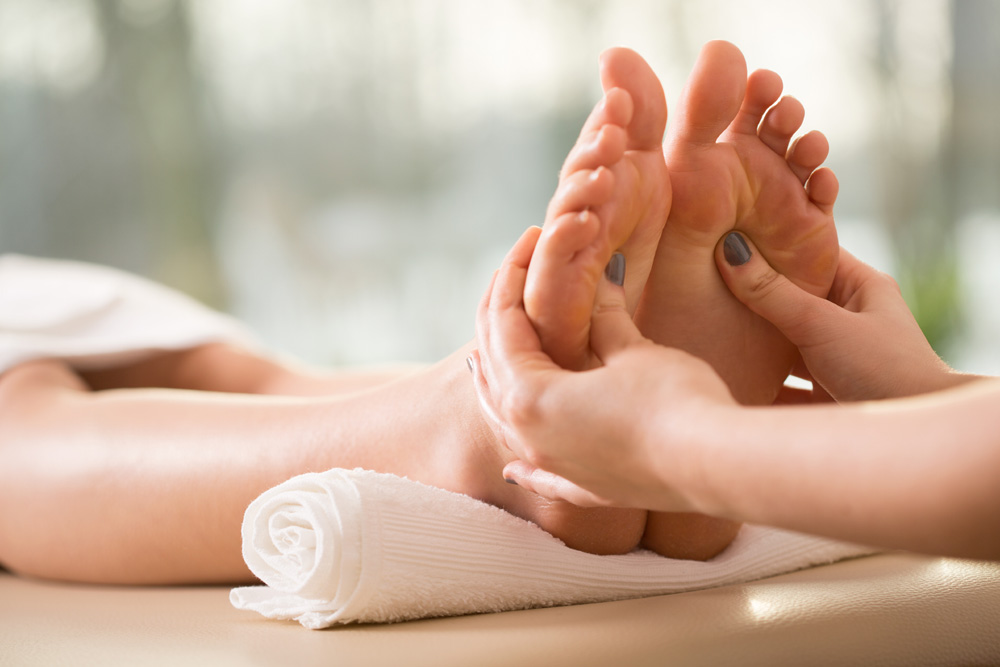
pixel 861 343
pixel 614 435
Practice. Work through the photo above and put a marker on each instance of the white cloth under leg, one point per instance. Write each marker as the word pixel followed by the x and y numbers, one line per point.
pixel 94 316
pixel 358 546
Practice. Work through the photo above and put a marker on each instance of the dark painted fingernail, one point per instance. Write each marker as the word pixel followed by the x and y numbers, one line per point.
pixel 510 481
pixel 468 362
pixel 615 270
pixel 736 250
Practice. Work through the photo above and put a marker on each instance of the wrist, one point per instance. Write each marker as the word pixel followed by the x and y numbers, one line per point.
pixel 690 450
pixel 937 377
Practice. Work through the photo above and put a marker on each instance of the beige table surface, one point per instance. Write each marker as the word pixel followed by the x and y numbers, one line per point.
pixel 893 609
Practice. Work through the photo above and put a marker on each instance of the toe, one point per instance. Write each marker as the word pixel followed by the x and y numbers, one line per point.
pixel 807 153
pixel 615 108
pixel 603 148
pixel 626 69
pixel 567 235
pixel 822 188
pixel 581 190
pixel 763 89
pixel 712 96
pixel 780 122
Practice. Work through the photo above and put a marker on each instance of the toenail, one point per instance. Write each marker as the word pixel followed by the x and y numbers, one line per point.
pixel 736 250
pixel 468 362
pixel 615 270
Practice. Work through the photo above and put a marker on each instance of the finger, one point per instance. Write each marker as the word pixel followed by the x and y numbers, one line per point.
pixel 482 331
pixel 793 396
pixel 795 312
pixel 551 486
pixel 514 346
pixel 611 327
pixel 503 303
pixel 857 284
pixel 488 405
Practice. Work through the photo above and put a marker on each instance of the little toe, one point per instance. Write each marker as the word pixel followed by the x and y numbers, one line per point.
pixel 712 96
pixel 583 189
pixel 822 188
pixel 763 89
pixel 624 69
pixel 807 153
pixel 780 122
pixel 561 284
pixel 603 148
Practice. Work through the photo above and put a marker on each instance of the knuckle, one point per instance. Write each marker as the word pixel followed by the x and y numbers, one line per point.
pixel 892 283
pixel 537 459
pixel 764 284
pixel 520 406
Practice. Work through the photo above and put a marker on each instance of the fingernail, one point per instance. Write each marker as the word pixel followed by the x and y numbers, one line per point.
pixel 468 362
pixel 736 250
pixel 615 270
pixel 510 481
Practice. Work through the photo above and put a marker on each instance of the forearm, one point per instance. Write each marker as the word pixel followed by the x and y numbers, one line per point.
pixel 921 474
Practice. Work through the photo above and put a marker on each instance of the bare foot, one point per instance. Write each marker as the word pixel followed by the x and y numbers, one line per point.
pixel 732 167
pixel 464 456
pixel 613 195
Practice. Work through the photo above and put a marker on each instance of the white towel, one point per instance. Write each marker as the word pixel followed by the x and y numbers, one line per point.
pixel 94 316
pixel 358 546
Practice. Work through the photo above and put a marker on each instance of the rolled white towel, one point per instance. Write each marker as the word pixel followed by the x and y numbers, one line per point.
pixel 358 546
pixel 94 316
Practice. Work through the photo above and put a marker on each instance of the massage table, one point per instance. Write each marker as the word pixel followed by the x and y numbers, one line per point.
pixel 889 609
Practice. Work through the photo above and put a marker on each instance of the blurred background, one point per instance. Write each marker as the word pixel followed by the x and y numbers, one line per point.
pixel 344 175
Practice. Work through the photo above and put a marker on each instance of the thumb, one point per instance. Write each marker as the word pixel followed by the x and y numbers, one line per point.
pixel 611 327
pixel 795 312
pixel 549 485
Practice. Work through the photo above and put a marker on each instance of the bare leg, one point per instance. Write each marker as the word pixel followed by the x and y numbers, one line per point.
pixel 228 368
pixel 732 168
pixel 149 486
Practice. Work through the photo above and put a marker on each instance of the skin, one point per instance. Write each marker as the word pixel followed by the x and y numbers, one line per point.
pixel 149 486
pixel 732 164
pixel 913 472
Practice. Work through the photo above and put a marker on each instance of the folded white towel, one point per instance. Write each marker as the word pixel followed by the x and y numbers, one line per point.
pixel 358 546
pixel 93 316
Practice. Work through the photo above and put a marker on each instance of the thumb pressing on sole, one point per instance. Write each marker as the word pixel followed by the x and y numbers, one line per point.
pixel 795 312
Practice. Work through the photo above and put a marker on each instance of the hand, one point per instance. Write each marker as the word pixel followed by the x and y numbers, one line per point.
pixel 861 343
pixel 597 437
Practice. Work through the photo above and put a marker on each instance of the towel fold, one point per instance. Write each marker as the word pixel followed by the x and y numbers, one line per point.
pixel 358 546
pixel 93 316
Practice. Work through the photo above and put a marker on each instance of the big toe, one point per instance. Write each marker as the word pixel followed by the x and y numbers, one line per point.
pixel 626 69
pixel 712 96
